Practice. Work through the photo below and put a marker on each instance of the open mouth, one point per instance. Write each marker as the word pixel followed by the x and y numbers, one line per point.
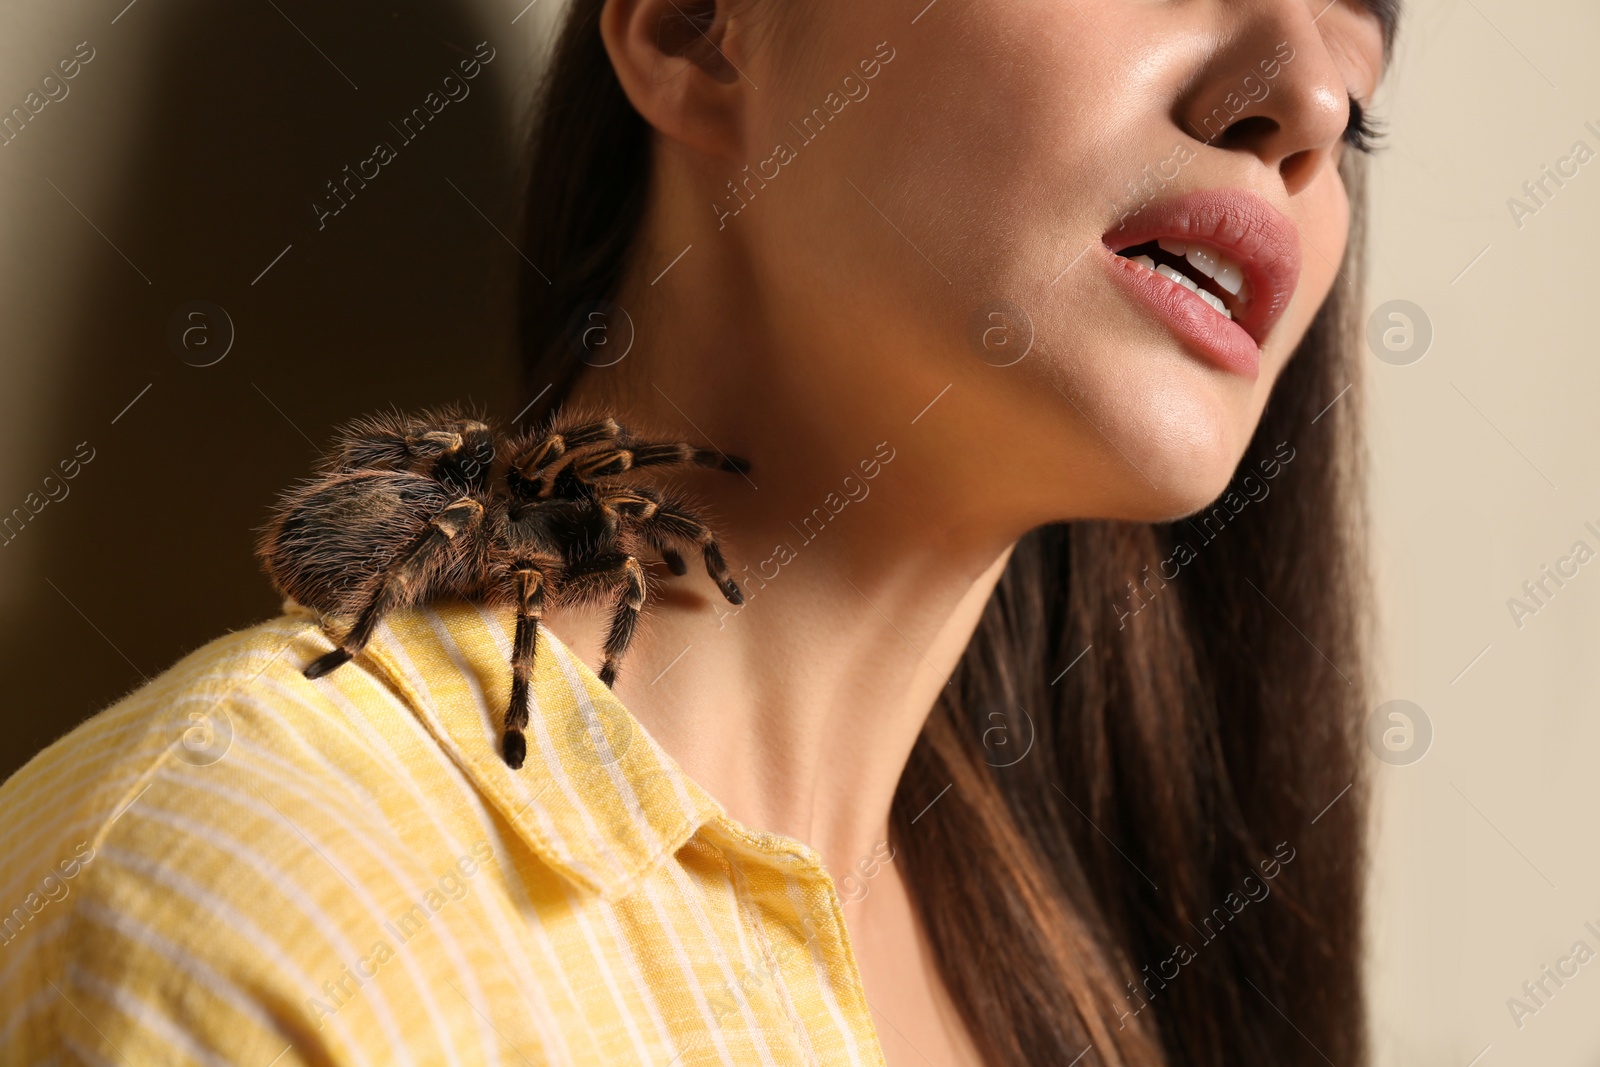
pixel 1199 268
pixel 1219 266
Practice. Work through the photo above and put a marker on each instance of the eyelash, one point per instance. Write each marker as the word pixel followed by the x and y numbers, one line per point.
pixel 1363 133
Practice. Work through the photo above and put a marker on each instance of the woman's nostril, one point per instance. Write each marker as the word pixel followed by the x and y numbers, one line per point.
pixel 1297 168
pixel 1252 129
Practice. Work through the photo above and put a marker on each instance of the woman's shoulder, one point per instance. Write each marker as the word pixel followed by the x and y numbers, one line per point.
pixel 222 838
pixel 171 744
pixel 132 787
pixel 185 713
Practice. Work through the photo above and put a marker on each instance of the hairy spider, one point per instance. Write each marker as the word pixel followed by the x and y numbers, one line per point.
pixel 412 508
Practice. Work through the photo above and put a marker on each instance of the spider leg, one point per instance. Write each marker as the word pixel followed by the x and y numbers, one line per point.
pixel 624 456
pixel 625 615
pixel 400 442
pixel 401 582
pixel 530 583
pixel 587 433
pixel 397 451
pixel 624 619
pixel 530 460
pixel 657 453
pixel 663 523
pixel 674 562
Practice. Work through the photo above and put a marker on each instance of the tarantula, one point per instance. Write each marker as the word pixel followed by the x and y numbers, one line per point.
pixel 412 508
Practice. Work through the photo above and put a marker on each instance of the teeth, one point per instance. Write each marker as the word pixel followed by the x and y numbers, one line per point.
pixel 1202 259
pixel 1179 277
pixel 1216 302
pixel 1229 276
pixel 1207 262
pixel 1225 271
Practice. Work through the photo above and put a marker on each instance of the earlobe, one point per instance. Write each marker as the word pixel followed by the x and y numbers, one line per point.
pixel 671 59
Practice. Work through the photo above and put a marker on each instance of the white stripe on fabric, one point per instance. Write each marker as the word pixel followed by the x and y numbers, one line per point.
pixel 404 879
pixel 692 902
pixel 239 922
pixel 296 895
pixel 602 959
pixel 591 720
pixel 474 799
pixel 745 905
pixel 71 822
pixel 492 910
pixel 182 959
pixel 546 744
pixel 143 1016
pixel 824 978
pixel 34 1005
pixel 691 980
pixel 622 948
pixel 630 960
pixel 85 1054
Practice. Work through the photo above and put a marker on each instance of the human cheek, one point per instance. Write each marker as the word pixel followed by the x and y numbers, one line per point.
pixel 988 151
pixel 1323 222
pixel 1326 221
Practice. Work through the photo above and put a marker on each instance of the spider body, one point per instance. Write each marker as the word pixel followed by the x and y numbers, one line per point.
pixel 408 509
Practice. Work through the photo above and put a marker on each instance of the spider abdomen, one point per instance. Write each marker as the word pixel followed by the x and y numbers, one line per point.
pixel 335 538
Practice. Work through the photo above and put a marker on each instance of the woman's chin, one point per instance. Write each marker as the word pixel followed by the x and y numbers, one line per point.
pixel 1169 504
pixel 1175 468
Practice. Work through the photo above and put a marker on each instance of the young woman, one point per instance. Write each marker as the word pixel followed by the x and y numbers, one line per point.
pixel 1035 737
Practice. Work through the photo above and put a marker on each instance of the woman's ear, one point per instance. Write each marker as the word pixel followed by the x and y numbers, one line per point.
pixel 672 58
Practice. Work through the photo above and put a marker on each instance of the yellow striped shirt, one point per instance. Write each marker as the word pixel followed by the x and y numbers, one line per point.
pixel 234 865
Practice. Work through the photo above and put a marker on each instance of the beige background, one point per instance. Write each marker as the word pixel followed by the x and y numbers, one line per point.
pixel 1488 863
pixel 190 149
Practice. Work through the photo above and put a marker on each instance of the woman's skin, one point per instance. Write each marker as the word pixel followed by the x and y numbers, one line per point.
pixel 811 331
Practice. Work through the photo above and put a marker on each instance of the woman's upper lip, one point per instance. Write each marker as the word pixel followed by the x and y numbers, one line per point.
pixel 1242 226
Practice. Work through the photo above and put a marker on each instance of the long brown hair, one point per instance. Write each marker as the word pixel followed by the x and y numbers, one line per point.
pixel 1173 872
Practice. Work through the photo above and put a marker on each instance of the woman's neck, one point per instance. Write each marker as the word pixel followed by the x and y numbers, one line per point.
pixel 864 579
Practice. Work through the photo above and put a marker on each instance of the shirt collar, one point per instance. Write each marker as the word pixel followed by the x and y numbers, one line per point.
pixel 598 799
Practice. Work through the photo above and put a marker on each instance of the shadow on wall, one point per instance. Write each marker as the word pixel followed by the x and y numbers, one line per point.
pixel 397 291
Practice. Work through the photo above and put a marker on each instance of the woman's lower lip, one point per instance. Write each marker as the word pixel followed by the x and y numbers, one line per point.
pixel 1222 342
